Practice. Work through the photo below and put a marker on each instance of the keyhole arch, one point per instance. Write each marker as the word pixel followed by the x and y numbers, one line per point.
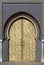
pixel 16 16
pixel 20 17
pixel 22 34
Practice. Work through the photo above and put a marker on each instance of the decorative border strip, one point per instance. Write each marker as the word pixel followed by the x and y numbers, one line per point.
pixel 42 59
pixel 1 50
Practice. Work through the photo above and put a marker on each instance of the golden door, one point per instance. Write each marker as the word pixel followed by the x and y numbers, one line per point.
pixel 22 44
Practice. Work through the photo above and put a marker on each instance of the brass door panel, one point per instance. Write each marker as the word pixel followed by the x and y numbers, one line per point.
pixel 15 41
pixel 29 35
pixel 22 43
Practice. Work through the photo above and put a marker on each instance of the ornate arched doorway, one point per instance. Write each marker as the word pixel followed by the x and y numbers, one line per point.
pixel 22 43
pixel 22 32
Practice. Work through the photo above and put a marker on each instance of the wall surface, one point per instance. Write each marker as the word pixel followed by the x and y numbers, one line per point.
pixel 12 8
pixel 42 26
pixel 22 1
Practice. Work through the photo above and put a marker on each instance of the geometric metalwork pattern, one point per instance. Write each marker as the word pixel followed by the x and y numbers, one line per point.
pixel 22 43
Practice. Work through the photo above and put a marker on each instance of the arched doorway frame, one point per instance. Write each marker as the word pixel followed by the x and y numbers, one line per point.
pixel 12 19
